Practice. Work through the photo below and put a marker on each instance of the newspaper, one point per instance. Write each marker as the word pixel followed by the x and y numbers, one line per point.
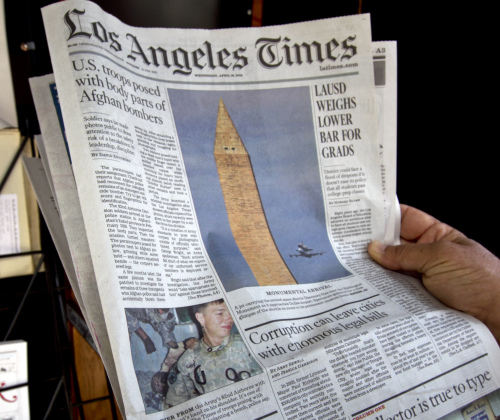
pixel 226 184
pixel 55 159
pixel 14 398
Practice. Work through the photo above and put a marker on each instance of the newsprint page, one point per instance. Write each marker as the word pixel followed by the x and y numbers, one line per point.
pixel 218 190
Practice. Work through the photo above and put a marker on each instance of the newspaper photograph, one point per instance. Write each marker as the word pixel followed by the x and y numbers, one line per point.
pixel 218 190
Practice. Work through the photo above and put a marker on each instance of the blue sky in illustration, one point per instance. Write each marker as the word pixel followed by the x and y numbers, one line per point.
pixel 276 127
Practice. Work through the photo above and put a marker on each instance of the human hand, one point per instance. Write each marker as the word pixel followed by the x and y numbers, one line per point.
pixel 190 343
pixel 457 270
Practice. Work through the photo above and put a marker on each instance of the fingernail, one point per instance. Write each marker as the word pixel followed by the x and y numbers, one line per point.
pixel 378 247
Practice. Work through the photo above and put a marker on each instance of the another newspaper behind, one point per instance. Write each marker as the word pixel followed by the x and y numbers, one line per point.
pixel 229 182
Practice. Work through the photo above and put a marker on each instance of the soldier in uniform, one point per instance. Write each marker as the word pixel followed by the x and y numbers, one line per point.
pixel 159 383
pixel 162 320
pixel 218 359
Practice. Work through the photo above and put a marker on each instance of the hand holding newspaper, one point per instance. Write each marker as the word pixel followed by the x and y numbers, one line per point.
pixel 222 189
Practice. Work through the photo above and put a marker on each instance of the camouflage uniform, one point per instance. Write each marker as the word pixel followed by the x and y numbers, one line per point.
pixel 163 324
pixel 155 401
pixel 204 369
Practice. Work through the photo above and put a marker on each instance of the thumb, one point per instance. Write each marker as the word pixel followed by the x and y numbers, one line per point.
pixel 408 257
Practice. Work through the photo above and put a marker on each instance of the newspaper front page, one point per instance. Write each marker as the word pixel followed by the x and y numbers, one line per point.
pixel 229 182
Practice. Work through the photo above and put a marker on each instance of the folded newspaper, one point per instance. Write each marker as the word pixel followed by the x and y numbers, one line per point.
pixel 217 190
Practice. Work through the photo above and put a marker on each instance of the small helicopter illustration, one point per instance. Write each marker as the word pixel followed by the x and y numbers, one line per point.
pixel 304 251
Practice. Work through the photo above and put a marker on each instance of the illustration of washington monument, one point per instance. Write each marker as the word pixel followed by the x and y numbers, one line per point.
pixel 244 207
